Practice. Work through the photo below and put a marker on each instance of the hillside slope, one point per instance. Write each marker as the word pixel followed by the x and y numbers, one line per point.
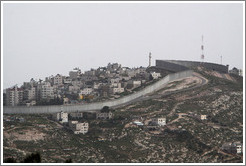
pixel 185 138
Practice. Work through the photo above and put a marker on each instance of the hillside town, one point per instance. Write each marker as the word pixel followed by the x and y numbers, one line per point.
pixel 104 83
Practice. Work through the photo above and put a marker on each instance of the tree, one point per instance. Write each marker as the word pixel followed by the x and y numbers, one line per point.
pixel 68 161
pixel 105 109
pixel 10 160
pixel 32 158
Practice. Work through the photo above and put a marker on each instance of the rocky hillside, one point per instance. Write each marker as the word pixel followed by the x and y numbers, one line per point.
pixel 184 138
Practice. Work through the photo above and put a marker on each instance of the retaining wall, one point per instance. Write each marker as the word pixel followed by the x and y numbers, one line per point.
pixel 99 105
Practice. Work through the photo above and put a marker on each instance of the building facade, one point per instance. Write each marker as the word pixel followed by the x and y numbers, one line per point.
pixel 61 117
pixel 78 128
pixel 14 96
pixel 159 121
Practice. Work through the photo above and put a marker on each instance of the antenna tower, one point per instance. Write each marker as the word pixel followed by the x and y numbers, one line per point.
pixel 202 48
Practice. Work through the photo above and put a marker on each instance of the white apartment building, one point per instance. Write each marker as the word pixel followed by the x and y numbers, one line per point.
pixel 78 128
pixel 14 96
pixel 46 91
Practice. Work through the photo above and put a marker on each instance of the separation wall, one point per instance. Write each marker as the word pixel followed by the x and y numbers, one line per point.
pixel 175 65
pixel 169 66
pixel 99 105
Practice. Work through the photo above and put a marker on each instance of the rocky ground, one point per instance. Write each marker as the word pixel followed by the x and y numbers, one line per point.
pixel 185 138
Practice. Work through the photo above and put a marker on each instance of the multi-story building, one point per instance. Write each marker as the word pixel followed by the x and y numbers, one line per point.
pixel 90 72
pixel 78 128
pixel 86 91
pixel 73 89
pixel 104 91
pixel 14 96
pixel 61 117
pixel 30 94
pixel 77 83
pixel 96 85
pixel 67 80
pixel 46 91
pixel 75 73
pixel 57 80
pixel 113 66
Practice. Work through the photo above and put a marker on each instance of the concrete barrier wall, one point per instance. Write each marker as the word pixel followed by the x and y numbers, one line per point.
pixel 169 66
pixel 99 105
pixel 189 64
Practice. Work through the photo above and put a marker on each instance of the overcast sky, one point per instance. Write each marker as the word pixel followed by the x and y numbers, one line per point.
pixel 41 40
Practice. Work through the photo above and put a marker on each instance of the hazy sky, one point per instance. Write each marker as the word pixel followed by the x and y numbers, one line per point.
pixel 41 40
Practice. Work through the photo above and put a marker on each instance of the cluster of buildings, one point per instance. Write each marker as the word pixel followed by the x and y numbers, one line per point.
pixel 76 126
pixel 76 121
pixel 93 85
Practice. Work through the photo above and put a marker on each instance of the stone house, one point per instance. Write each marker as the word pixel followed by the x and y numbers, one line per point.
pixel 78 127
pixel 76 115
pixel 62 117
pixel 233 147
pixel 155 75
pixel 104 115
pixel 159 121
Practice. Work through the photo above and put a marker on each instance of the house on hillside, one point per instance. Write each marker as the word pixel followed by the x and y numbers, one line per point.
pixel 159 121
pixel 104 113
pixel 78 127
pixel 76 115
pixel 233 147
pixel 62 117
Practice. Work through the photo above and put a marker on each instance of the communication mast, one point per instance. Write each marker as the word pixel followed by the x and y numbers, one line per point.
pixel 202 48
pixel 221 60
pixel 149 59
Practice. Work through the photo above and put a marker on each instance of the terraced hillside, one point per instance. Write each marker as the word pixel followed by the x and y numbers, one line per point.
pixel 185 138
